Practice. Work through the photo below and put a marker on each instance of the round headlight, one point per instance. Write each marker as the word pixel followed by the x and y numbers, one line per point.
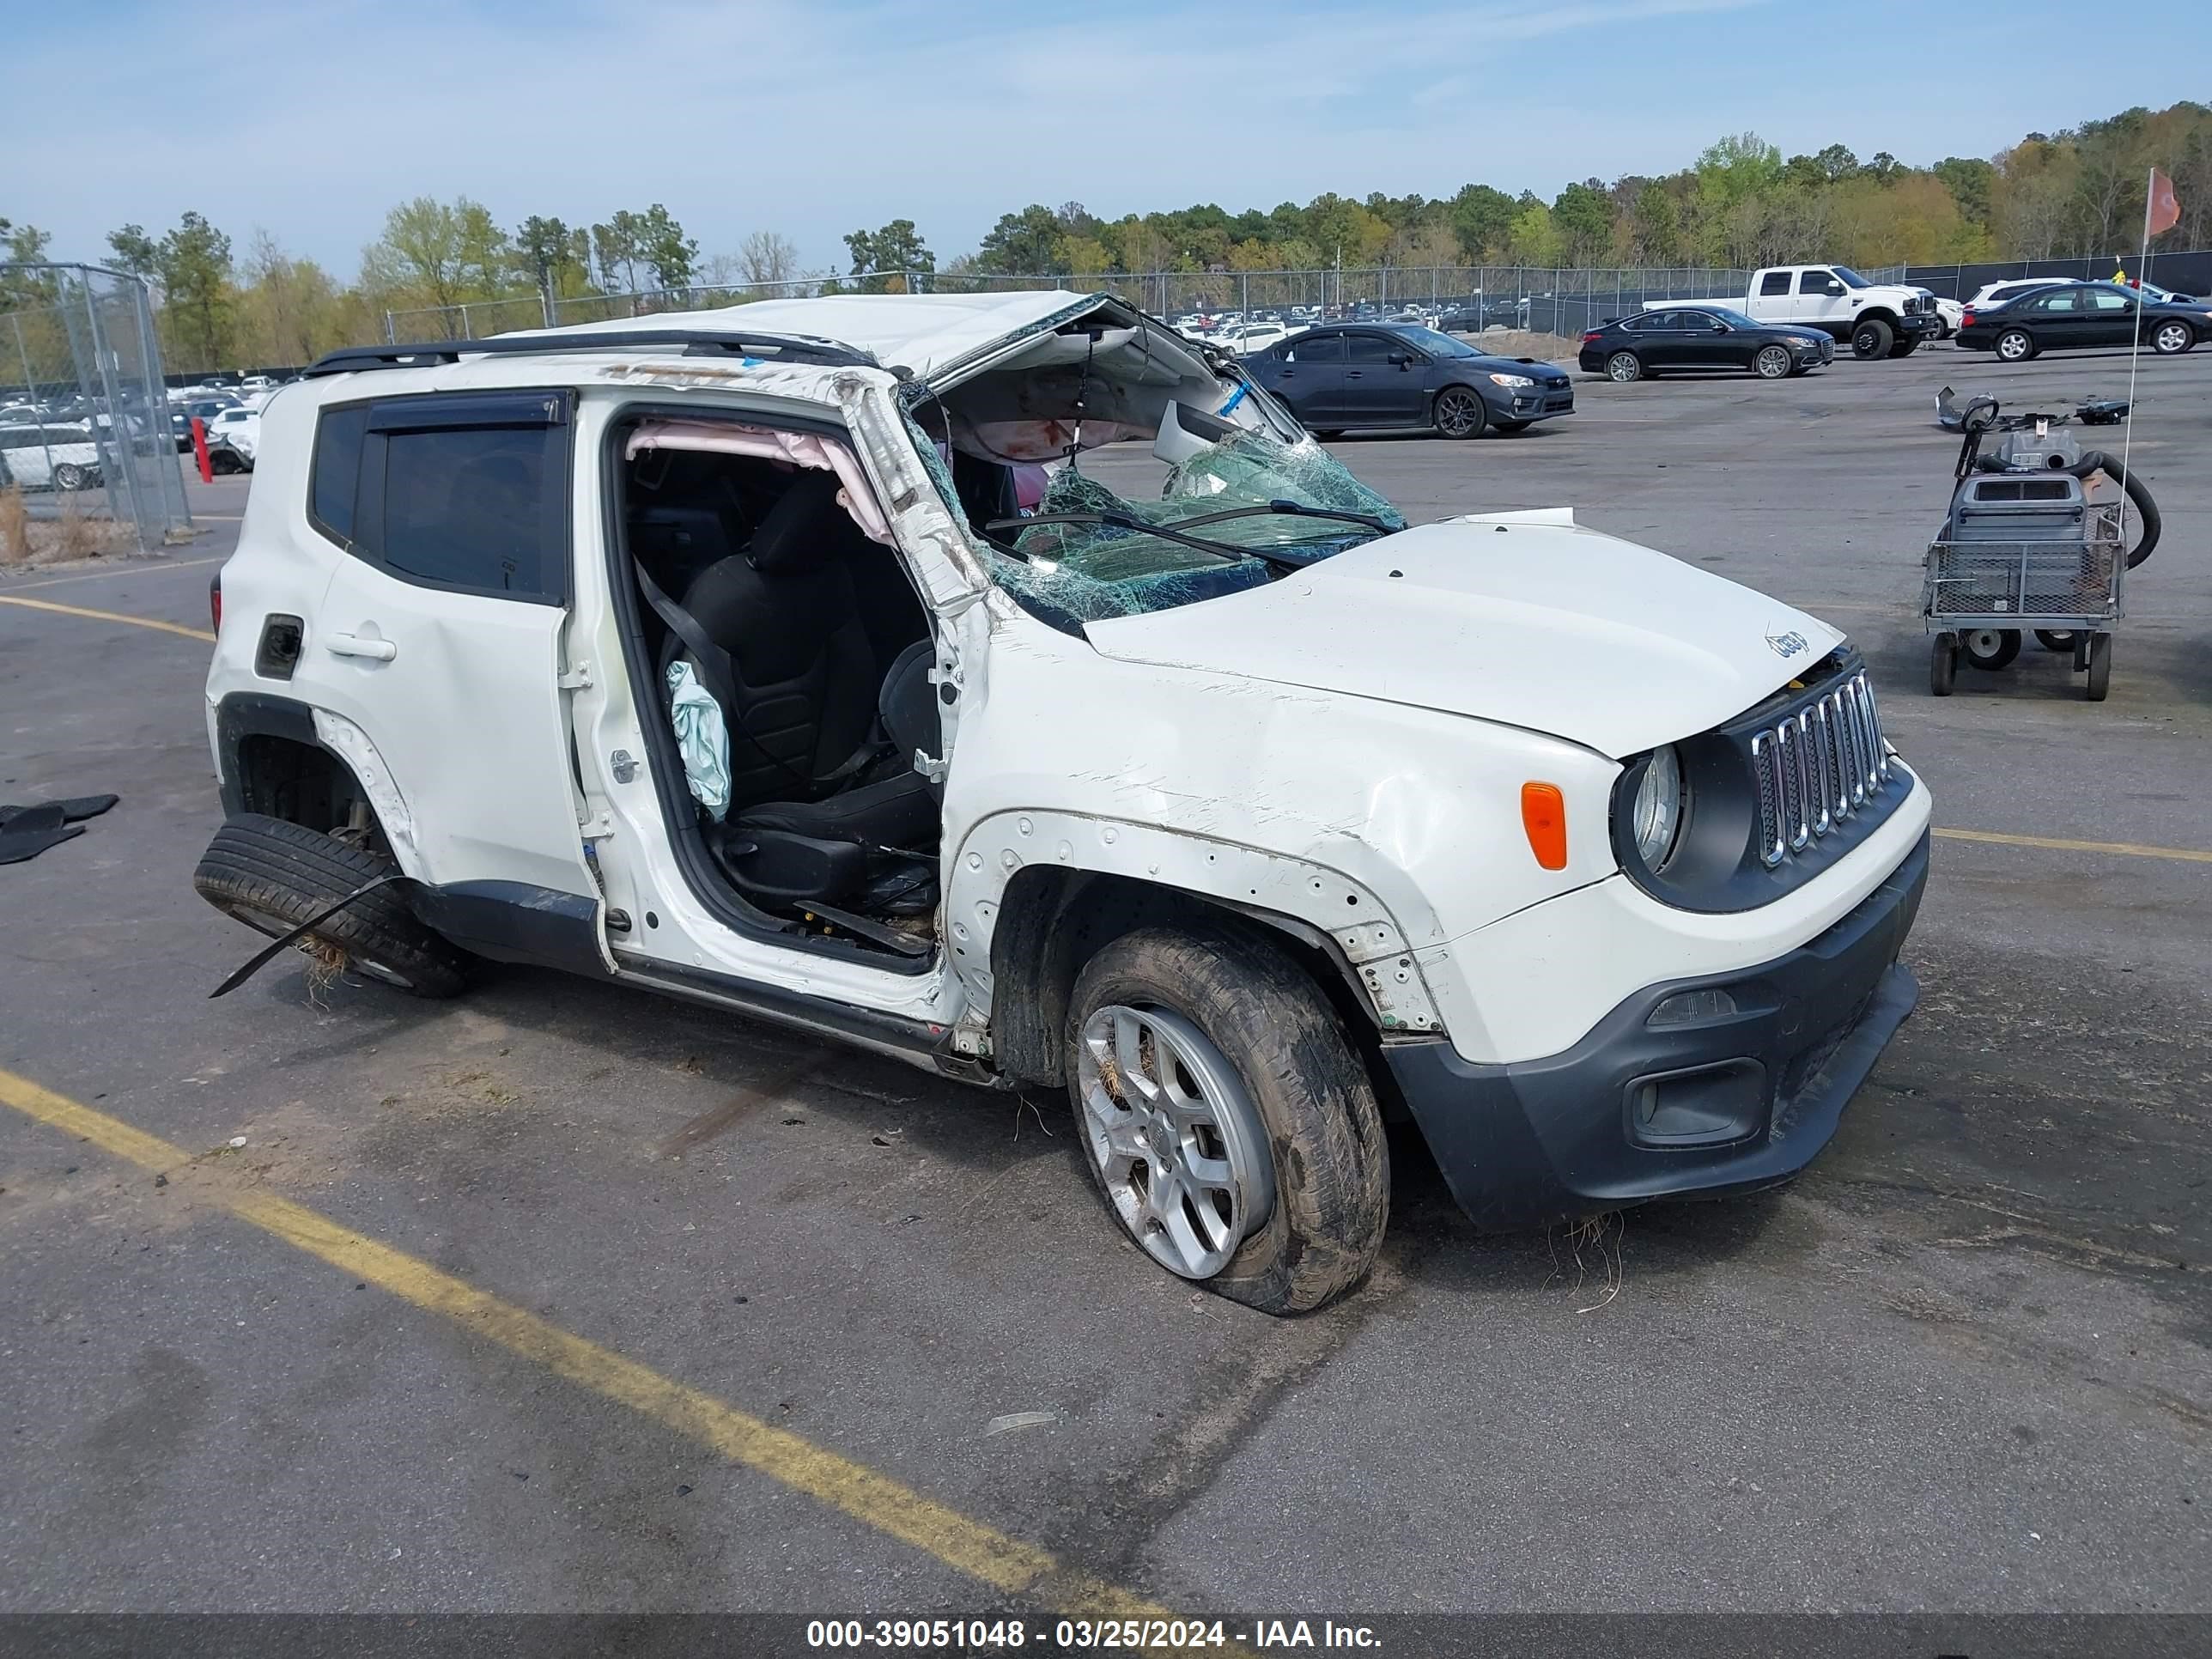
pixel 1656 818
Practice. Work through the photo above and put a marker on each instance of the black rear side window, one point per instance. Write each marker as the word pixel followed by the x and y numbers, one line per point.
pixel 461 507
pixel 336 477
pixel 467 491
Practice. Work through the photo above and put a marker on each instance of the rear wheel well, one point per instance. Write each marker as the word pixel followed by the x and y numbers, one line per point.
pixel 303 783
pixel 1051 921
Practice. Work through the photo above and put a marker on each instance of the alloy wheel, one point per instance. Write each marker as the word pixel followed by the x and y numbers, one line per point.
pixel 1178 1145
pixel 1459 413
pixel 1623 367
pixel 2013 347
pixel 1773 363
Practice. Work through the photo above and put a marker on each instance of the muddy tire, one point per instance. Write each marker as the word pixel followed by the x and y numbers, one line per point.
pixel 272 876
pixel 1268 1057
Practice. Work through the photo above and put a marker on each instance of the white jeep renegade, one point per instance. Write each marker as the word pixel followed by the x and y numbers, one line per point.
pixel 722 655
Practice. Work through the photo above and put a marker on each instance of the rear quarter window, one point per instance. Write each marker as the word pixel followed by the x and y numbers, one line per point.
pixel 335 477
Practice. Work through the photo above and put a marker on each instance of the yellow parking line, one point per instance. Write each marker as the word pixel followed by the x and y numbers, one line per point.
pixel 2127 848
pixel 967 1547
pixel 134 569
pixel 109 615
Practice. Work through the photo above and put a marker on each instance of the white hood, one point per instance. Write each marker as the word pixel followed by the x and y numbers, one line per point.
pixel 1526 620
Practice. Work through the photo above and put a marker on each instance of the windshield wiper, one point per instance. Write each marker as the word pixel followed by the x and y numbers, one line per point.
pixel 1226 551
pixel 1374 522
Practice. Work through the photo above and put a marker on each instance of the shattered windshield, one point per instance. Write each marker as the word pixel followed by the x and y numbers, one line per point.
pixel 1068 574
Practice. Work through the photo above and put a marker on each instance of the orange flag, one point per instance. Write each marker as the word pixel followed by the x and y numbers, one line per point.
pixel 2165 211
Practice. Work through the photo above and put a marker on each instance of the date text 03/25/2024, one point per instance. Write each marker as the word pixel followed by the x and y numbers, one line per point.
pixel 1079 1635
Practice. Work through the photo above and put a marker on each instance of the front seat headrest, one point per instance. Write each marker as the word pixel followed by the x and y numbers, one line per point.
pixel 794 530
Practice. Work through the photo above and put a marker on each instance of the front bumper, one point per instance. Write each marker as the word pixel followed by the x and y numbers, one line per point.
pixel 1535 402
pixel 1921 325
pixel 1722 1104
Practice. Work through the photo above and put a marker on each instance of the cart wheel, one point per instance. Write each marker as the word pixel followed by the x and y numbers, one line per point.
pixel 2055 639
pixel 1943 664
pixel 2100 666
pixel 1990 648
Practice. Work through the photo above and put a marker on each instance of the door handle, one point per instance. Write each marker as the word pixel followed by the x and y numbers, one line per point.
pixel 352 645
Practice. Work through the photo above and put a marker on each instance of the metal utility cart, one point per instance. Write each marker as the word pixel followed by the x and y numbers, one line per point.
pixel 2024 548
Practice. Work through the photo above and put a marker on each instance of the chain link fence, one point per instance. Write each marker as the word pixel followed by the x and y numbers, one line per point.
pixel 1543 299
pixel 88 442
pixel 1563 300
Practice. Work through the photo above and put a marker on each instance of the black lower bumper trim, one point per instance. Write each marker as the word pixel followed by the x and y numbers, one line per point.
pixel 1722 1102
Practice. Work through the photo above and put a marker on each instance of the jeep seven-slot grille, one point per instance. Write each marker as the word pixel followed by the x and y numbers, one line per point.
pixel 1817 767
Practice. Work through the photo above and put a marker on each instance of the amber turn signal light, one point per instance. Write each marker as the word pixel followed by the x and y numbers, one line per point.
pixel 1543 816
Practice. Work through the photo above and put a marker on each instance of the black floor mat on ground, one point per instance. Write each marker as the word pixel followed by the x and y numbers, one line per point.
pixel 27 831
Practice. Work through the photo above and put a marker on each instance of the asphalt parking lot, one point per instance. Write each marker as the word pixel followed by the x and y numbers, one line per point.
pixel 1960 1364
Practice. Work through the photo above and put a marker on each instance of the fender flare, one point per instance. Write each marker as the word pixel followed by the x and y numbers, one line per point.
pixel 1300 897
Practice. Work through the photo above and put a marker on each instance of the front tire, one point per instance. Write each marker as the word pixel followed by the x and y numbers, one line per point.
pixel 69 476
pixel 1943 665
pixel 1624 366
pixel 2172 339
pixel 2100 667
pixel 1228 1125
pixel 1459 413
pixel 1905 348
pixel 272 876
pixel 2015 345
pixel 1772 363
pixel 1871 339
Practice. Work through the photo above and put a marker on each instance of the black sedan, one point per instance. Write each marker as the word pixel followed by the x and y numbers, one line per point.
pixel 2076 316
pixel 1340 377
pixel 1701 337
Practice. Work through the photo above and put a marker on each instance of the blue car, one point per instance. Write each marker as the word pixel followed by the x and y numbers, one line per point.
pixel 1361 376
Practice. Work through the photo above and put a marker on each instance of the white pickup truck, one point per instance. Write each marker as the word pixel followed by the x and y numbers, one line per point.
pixel 1879 320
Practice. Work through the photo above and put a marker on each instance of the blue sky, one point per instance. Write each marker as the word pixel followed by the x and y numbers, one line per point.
pixel 814 117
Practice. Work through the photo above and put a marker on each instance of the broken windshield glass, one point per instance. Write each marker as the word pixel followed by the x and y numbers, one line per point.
pixel 1070 574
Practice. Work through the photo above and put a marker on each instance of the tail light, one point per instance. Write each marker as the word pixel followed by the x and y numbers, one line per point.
pixel 1966 318
pixel 214 602
pixel 1591 338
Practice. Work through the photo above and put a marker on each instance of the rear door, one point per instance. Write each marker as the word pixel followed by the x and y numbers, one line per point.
pixel 1311 376
pixel 2108 317
pixel 1770 300
pixel 2056 317
pixel 1379 390
pixel 440 635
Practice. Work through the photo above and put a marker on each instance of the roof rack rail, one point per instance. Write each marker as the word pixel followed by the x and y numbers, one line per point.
pixel 696 342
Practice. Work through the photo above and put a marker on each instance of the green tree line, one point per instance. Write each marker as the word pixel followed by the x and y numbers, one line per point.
pixel 2078 193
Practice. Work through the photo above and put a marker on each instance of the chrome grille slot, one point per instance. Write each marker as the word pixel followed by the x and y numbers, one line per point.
pixel 1818 789
pixel 1817 767
pixel 1765 766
